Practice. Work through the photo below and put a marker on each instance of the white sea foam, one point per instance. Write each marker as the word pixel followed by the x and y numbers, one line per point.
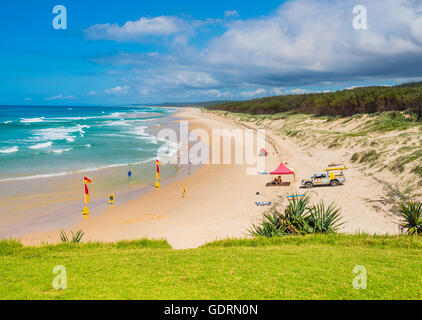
pixel 41 145
pixel 9 150
pixel 61 150
pixel 168 149
pixel 120 122
pixel 60 133
pixel 140 131
pixel 116 114
pixel 30 120
pixel 7 122
pixel 142 135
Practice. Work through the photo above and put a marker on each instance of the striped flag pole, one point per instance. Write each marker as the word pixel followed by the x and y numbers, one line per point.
pixel 86 191
pixel 158 163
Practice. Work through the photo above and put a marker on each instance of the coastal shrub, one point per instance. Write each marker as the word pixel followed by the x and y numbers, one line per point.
pixel 75 238
pixel 355 157
pixel 402 104
pixel 369 156
pixel 296 213
pixel 272 225
pixel 399 164
pixel 299 218
pixel 417 170
pixel 324 219
pixel 412 217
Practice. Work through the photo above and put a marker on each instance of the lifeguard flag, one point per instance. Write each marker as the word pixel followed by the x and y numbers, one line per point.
pixel 86 180
pixel 158 163
pixel 86 194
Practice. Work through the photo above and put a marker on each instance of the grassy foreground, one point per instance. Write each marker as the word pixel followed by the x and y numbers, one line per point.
pixel 309 267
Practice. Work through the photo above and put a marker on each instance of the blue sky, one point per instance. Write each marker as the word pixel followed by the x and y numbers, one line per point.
pixel 134 52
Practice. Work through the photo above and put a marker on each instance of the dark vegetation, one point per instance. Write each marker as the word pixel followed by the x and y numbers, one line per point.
pixel 412 217
pixel 365 100
pixel 299 218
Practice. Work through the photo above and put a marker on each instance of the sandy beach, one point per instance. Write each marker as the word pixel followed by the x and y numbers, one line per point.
pixel 220 199
pixel 220 203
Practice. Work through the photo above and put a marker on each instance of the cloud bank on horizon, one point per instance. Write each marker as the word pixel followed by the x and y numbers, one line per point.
pixel 302 46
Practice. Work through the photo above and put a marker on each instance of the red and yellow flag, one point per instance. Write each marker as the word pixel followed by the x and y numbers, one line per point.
pixel 86 195
pixel 86 180
pixel 158 163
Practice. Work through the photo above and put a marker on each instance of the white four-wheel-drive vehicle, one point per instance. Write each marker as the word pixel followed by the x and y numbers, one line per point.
pixel 328 177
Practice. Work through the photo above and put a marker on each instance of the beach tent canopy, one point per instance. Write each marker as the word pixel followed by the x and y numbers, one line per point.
pixel 263 152
pixel 281 170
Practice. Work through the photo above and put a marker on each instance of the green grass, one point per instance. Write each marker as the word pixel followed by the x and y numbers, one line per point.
pixel 310 267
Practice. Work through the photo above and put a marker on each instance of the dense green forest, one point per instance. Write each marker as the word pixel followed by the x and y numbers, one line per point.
pixel 340 103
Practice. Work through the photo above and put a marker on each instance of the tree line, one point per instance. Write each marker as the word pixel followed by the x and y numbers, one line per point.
pixel 340 103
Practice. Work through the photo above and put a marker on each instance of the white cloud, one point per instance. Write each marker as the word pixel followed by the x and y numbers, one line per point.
pixel 231 13
pixel 250 94
pixel 298 91
pixel 92 93
pixel 177 79
pixel 216 93
pixel 135 30
pixel 60 97
pixel 279 91
pixel 302 43
pixel 118 90
pixel 309 36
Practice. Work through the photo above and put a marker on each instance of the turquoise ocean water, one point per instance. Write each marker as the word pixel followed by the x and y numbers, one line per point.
pixel 46 141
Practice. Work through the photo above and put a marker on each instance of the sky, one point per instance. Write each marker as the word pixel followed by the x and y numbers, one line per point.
pixel 142 52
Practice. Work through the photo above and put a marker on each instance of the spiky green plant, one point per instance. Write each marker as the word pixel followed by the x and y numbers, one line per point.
pixel 412 214
pixel 295 214
pixel 63 236
pixel 299 217
pixel 76 237
pixel 324 219
pixel 270 226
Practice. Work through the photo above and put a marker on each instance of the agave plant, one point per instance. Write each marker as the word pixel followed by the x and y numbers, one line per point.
pixel 412 215
pixel 324 220
pixel 297 205
pixel 271 226
pixel 299 217
pixel 76 237
pixel 295 214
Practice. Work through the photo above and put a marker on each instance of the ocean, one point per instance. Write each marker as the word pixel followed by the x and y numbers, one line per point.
pixel 46 141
